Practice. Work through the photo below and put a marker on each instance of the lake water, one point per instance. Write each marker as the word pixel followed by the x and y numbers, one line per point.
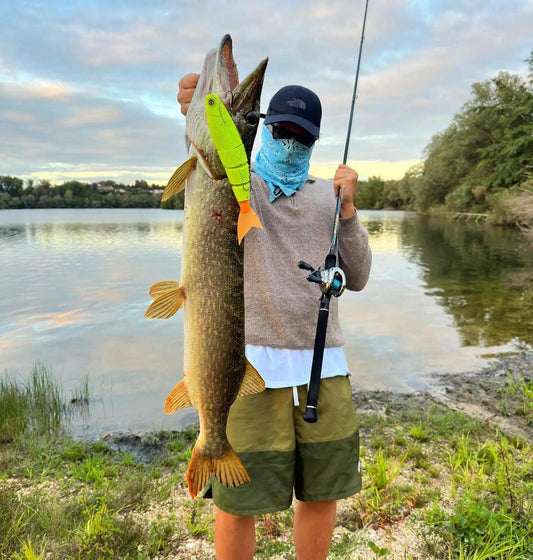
pixel 442 297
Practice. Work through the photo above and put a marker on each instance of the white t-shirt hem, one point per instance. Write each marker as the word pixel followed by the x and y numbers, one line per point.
pixel 280 367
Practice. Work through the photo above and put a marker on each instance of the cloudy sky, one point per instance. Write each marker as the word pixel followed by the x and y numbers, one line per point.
pixel 88 87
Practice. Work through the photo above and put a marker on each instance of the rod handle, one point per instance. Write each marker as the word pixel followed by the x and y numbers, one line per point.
pixel 310 414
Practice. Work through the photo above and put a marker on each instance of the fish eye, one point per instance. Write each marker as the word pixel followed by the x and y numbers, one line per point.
pixel 252 118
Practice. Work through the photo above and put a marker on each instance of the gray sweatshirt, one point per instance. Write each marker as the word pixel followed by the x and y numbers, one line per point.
pixel 281 305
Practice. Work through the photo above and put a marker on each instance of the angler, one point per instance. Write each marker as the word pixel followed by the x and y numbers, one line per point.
pixel 284 455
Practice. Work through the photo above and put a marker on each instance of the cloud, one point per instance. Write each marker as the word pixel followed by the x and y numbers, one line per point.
pixel 77 130
pixel 25 87
pixel 93 85
pixel 366 169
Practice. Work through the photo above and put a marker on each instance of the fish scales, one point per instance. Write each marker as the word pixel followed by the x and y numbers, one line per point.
pixel 211 287
pixel 214 363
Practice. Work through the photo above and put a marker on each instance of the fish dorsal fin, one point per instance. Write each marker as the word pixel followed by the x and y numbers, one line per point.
pixel 252 383
pixel 177 181
pixel 167 302
pixel 177 399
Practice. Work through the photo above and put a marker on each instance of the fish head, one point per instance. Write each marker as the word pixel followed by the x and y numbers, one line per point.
pixel 242 100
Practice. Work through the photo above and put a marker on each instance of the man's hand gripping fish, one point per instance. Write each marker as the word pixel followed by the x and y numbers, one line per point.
pixel 211 289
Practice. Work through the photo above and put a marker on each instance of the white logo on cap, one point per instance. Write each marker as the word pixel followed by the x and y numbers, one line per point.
pixel 298 103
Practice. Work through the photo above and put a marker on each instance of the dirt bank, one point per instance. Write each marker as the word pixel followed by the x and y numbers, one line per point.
pixel 491 394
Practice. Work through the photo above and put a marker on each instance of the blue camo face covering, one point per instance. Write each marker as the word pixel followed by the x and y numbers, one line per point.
pixel 283 164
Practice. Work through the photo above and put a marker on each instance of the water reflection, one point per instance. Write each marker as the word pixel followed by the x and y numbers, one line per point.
pixel 482 276
pixel 430 304
pixel 95 236
pixel 74 287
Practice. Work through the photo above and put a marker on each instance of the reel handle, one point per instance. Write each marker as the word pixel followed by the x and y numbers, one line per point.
pixel 305 266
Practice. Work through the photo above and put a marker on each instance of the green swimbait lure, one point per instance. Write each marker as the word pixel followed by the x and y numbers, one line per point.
pixel 230 149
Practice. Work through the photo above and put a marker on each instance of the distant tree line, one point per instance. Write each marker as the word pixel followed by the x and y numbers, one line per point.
pixel 16 193
pixel 481 162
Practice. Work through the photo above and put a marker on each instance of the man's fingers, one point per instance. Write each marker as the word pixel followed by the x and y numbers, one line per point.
pixel 187 86
pixel 184 108
pixel 189 81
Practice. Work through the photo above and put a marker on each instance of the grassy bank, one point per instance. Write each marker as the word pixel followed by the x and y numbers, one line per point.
pixel 438 484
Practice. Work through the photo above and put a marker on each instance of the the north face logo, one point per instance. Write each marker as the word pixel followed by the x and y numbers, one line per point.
pixel 298 103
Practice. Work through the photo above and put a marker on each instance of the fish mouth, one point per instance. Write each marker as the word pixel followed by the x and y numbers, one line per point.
pixel 249 88
pixel 220 76
pixel 226 60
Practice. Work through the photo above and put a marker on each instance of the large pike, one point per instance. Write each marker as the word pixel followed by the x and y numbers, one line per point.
pixel 211 289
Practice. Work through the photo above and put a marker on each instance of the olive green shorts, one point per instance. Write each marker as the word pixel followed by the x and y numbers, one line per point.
pixel 282 453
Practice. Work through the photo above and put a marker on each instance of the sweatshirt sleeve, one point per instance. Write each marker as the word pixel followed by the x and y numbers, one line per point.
pixel 355 256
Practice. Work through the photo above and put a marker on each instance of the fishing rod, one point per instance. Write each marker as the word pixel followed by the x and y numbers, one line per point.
pixel 332 280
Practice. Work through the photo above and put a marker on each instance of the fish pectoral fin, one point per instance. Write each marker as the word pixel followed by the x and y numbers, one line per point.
pixel 177 399
pixel 252 383
pixel 167 300
pixel 247 220
pixel 160 288
pixel 177 181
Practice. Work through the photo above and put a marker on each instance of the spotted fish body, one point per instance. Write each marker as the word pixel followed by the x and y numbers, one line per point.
pixel 211 287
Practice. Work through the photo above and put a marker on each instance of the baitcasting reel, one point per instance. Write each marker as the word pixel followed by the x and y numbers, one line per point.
pixel 332 280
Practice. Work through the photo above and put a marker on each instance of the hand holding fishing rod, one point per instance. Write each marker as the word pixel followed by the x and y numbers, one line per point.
pixel 332 281
pixel 332 275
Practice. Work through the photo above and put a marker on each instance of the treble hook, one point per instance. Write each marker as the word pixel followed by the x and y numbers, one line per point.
pixel 232 99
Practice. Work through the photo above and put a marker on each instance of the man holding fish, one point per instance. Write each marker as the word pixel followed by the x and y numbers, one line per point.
pixel 283 455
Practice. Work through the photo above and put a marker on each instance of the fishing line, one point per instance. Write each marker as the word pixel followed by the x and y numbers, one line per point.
pixel 331 280
pixel 354 96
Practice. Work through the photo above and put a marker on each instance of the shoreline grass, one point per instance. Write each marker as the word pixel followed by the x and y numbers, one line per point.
pixel 438 484
pixel 33 408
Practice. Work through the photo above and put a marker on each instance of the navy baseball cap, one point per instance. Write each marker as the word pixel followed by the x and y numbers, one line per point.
pixel 298 105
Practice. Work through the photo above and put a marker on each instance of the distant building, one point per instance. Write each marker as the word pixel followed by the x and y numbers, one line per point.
pixel 102 187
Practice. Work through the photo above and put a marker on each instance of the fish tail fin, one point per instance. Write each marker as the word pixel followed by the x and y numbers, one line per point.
pixel 198 473
pixel 247 220
pixel 227 468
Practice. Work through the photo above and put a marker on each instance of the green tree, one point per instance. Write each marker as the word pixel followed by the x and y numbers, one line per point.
pixel 69 197
pixel 487 149
pixel 407 186
pixel 13 186
pixel 500 119
pixel 371 194
pixel 449 157
pixel 75 194
pixel 5 201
